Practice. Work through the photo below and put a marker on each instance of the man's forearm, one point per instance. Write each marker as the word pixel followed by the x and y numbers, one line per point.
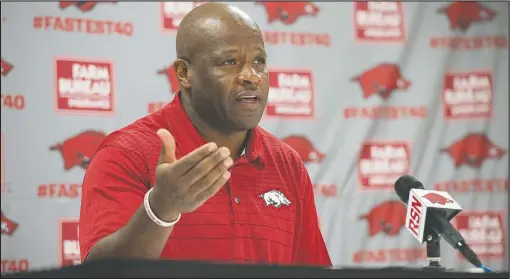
pixel 140 238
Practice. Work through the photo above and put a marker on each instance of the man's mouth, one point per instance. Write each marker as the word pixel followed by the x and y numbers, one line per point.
pixel 248 99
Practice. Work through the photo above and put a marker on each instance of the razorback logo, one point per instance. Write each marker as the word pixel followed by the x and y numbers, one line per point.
pixel 79 149
pixel 462 14
pixel 288 12
pixel 275 198
pixel 305 149
pixel 388 217
pixel 6 67
pixel 437 198
pixel 473 150
pixel 8 226
pixel 382 79
pixel 84 6
pixel 170 74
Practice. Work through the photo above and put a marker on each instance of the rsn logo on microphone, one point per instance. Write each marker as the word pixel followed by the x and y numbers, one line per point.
pixel 414 219
pixel 421 202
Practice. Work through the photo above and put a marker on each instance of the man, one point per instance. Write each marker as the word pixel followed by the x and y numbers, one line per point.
pixel 199 180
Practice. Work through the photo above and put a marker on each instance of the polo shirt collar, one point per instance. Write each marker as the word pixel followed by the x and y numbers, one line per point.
pixel 187 137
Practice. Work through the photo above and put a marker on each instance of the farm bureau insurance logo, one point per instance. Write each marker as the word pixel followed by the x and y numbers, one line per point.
pixel 468 95
pixel 288 13
pixel 172 14
pixel 379 22
pixel 82 25
pixel 84 86
pixel 382 163
pixel 69 246
pixel 383 80
pixel 386 220
pixel 460 16
pixel 291 94
pixel 484 231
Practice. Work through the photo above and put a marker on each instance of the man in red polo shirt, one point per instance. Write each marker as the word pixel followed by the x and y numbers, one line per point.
pixel 199 179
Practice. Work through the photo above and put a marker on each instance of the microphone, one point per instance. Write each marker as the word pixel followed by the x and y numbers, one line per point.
pixel 432 211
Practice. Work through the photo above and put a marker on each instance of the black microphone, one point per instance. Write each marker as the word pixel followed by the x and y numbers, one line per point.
pixel 437 221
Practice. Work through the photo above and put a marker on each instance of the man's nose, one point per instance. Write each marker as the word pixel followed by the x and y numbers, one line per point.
pixel 248 76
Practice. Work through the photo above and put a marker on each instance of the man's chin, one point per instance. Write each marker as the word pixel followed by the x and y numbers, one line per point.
pixel 244 123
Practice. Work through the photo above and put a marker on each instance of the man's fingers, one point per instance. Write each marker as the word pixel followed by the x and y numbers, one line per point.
pixel 215 187
pixel 167 154
pixel 185 163
pixel 209 178
pixel 218 162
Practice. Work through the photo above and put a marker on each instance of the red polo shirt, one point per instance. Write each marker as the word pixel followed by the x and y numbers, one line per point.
pixel 266 215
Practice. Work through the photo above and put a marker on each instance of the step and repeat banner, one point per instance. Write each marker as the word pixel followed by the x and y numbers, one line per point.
pixel 364 92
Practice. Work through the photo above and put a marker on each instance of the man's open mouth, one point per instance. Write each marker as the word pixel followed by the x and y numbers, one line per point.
pixel 248 99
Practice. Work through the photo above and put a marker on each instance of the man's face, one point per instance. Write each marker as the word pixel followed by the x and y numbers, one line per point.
pixel 229 81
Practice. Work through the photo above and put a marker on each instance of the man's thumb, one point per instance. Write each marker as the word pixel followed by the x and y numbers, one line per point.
pixel 167 154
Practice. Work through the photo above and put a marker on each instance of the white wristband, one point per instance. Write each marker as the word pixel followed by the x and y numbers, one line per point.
pixel 153 216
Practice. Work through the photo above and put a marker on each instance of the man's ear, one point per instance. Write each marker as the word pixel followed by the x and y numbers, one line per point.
pixel 183 72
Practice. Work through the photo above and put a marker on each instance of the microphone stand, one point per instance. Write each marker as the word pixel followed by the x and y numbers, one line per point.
pixel 433 252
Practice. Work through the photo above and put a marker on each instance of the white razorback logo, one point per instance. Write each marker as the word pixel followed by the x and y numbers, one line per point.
pixel 275 198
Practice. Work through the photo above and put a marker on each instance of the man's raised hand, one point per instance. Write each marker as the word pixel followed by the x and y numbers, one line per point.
pixel 185 184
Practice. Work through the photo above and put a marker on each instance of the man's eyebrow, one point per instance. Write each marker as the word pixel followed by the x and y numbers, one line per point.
pixel 233 50
pixel 262 50
pixel 226 50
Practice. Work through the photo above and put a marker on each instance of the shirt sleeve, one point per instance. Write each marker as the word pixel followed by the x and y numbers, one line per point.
pixel 113 188
pixel 312 249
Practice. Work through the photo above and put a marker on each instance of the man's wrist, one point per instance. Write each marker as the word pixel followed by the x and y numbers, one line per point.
pixel 159 207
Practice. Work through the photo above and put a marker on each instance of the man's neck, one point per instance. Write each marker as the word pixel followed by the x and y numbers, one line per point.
pixel 234 141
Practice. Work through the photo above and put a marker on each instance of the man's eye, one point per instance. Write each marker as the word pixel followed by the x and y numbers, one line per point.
pixel 230 62
pixel 260 60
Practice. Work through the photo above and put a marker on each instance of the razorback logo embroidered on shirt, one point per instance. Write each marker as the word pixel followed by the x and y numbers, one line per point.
pixel 275 198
